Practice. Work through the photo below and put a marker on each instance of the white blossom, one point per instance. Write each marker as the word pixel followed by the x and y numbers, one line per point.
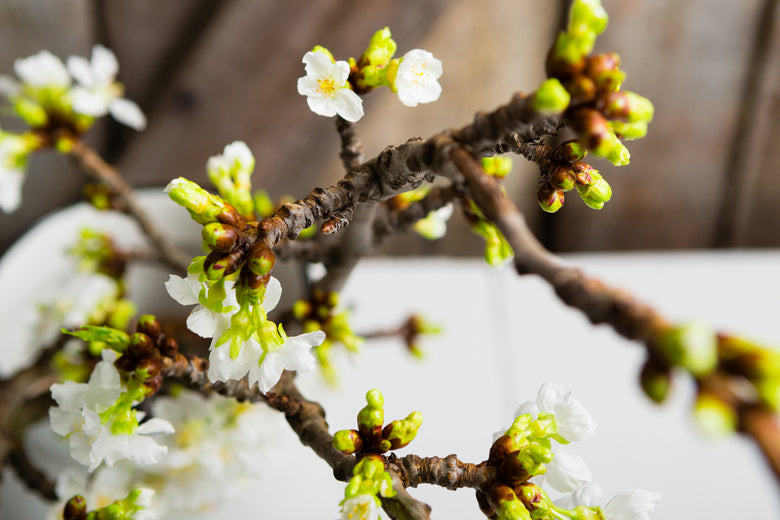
pixel 235 155
pixel 43 69
pixel 632 504
pixel 77 416
pixel 326 89
pixel 294 354
pixel 13 158
pixel 434 225
pixel 360 507
pixel 417 78
pixel 574 422
pixel 99 93
pixel 567 472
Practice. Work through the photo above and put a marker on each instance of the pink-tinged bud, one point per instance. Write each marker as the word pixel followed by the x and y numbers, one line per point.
pixel 562 178
pixel 220 237
pixel 604 70
pixel 569 152
pixel 549 200
pixel 75 509
pixel 347 441
pixel 592 127
pixel 218 265
pixel 582 89
pixel 261 259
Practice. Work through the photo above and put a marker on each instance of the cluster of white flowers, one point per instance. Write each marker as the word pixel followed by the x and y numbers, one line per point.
pixel 328 91
pixel 80 415
pixel 569 473
pixel 217 450
pixel 263 367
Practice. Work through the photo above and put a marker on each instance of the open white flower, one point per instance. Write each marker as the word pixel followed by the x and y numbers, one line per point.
pixel 326 89
pixel 567 472
pixel 77 416
pixel 265 369
pixel 43 69
pixel 99 93
pixel 574 422
pixel 360 507
pixel 632 504
pixel 417 80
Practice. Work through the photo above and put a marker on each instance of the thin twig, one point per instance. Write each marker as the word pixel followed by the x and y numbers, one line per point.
pixel 89 161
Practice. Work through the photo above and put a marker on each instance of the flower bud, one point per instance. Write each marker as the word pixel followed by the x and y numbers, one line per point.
pixel 169 347
pixel 516 467
pixel 372 416
pixel 713 416
pixel 692 346
pixel 502 447
pixel 656 381
pixel 149 325
pixel 566 58
pixel 569 152
pixel 562 178
pixel 629 131
pixel 587 17
pixel 400 433
pixel 604 70
pixel 625 105
pixel 220 237
pixel 347 441
pixel 261 259
pixel 380 49
pixel 497 166
pixel 484 506
pixel 581 88
pixel 550 98
pixel 592 127
pixel 505 503
pixel 75 509
pixel 218 265
pixel 550 200
pixel 141 346
pixel 595 194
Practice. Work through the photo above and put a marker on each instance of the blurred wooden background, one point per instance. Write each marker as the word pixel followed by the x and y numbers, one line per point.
pixel 208 72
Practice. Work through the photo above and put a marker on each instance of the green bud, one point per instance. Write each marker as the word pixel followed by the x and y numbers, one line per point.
pixel 613 150
pixel 391 71
pixel 113 338
pixel 261 259
pixel 31 112
pixel 264 206
pixel 713 416
pixel 75 509
pixel 347 441
pixel 656 381
pixel 220 237
pixel 562 178
pixel 551 98
pixel 625 105
pixel 566 58
pixel 497 166
pixel 380 49
pixel 587 17
pixel 372 416
pixel 550 200
pixel 629 131
pixel 202 205
pixel 693 346
pixel 506 504
pixel 595 194
pixel 400 433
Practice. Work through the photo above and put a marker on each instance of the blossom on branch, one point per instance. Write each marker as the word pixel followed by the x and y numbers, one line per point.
pixel 417 78
pixel 632 504
pixel 360 507
pixel 42 70
pixel 86 415
pixel 99 93
pixel 326 88
pixel 13 163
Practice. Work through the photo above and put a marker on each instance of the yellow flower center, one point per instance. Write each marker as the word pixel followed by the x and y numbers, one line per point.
pixel 326 86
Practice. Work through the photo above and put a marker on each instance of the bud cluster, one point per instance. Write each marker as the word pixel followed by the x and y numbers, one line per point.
pixel 128 508
pixel 321 311
pixel 371 437
pixel 598 111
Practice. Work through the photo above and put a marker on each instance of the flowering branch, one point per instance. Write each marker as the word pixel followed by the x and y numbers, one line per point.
pixel 97 168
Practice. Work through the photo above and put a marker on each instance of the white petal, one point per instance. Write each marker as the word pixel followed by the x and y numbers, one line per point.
pixel 576 423
pixel 69 395
pixel 317 64
pixel 567 472
pixel 308 86
pixel 11 180
pixel 183 290
pixel 127 113
pixel 203 322
pixel 322 105
pixel 340 73
pixel 360 507
pixel 238 152
pixel 155 425
pixel 268 373
pixel 81 71
pixel 42 70
pixel 589 495
pixel 9 86
pixel 348 105
pixel 89 102
pixel 273 292
pixel 632 504
pixel 62 421
pixel 104 65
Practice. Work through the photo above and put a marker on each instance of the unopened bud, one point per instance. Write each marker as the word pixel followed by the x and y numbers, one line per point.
pixel 629 131
pixel 372 416
pixel 592 127
pixel 604 70
pixel 551 98
pixel 261 259
pixel 581 88
pixel 149 325
pixel 569 152
pixel 497 166
pixel 656 381
pixel 484 506
pixel 587 17
pixel 516 468
pixel 596 194
pixel 692 346
pixel 400 433
pixel 566 58
pixel 550 200
pixel 505 503
pixel 141 346
pixel 562 178
pixel 625 105
pixel 713 416
pixel 220 237
pixel 347 441
pixel 218 265
pixel 502 447
pixel 75 509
